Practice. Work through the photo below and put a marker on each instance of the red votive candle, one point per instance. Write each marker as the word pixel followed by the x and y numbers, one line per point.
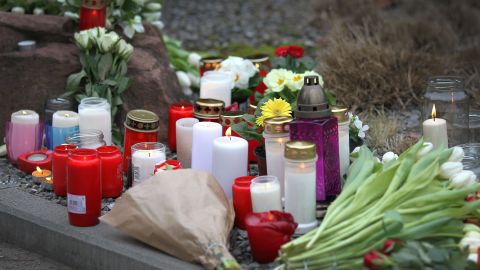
pixel 242 200
pixel 84 187
pixel 28 162
pixel 267 232
pixel 175 112
pixel 59 168
pixel 112 173
pixel 92 14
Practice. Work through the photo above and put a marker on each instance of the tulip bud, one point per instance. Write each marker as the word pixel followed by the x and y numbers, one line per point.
pixel 154 6
pixel 471 228
pixel 457 154
pixel 472 242
pixel 83 40
pixel 426 148
pixel 462 179
pixel 183 79
pixel 187 91
pixel 194 59
pixel 449 169
pixel 158 24
pixel 19 10
pixel 38 11
pixel 389 156
pixel 194 79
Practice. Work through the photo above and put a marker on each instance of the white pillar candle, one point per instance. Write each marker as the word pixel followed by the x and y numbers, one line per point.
pixel 217 85
pixel 95 114
pixel 25 117
pixel 265 193
pixel 229 160
pixel 65 119
pixel 184 131
pixel 435 131
pixel 300 182
pixel 145 156
pixel 204 133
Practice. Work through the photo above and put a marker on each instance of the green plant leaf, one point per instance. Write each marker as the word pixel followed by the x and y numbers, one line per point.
pixel 123 84
pixel 241 95
pixel 122 68
pixel 247 132
pixel 110 82
pixel 74 80
pixel 117 100
pixel 104 65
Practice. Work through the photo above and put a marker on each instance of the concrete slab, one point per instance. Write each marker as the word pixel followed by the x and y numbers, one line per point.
pixel 42 226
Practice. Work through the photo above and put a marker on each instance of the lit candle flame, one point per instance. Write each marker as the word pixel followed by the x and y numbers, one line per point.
pixel 434 112
pixel 183 107
pixel 229 132
pixel 270 216
pixel 39 170
pixel 67 115
pixel 24 112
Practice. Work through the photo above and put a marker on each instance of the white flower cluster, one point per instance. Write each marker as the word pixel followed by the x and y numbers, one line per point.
pixel 241 69
pixel 105 42
pixel 471 240
pixel 277 79
pixel 357 125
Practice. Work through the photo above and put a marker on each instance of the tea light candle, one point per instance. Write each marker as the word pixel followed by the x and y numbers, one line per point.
pixel 23 133
pixel 435 130
pixel 144 158
pixel 217 85
pixel 37 157
pixel 39 175
pixel 230 160
pixel 265 192
pixel 64 124
pixel 184 132
pixel 175 112
pixel 204 133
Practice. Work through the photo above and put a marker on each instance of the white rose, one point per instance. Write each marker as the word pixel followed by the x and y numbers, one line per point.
pixel 183 79
pixel 462 179
pixel 108 41
pixel 449 169
pixel 426 148
pixel 457 154
pixel 277 79
pixel 194 79
pixel 194 59
pixel 242 70
pixel 19 10
pixel 389 156
pixel 154 6
pixel 83 40
pixel 38 11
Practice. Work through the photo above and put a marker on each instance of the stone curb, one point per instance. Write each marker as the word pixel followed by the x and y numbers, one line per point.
pixel 42 226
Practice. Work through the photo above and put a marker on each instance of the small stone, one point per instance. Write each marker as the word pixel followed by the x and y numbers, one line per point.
pixel 33 191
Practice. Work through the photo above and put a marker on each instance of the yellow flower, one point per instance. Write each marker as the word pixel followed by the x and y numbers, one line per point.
pixel 272 108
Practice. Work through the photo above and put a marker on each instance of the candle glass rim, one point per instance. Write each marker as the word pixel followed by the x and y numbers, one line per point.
pixel 263 179
pixel 83 153
pixel 107 150
pixel 149 146
pixel 64 148
pixel 192 119
pixel 244 180
pixel 301 160
pixel 29 112
pixel 93 102
pixel 59 113
pixel 44 155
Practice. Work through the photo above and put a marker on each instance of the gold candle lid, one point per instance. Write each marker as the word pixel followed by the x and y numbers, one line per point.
pixel 142 121
pixel 207 108
pixel 259 59
pixel 210 63
pixel 228 119
pixel 300 150
pixel 341 113
pixel 277 125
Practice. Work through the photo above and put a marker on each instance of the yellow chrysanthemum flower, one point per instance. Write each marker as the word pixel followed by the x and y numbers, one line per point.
pixel 272 108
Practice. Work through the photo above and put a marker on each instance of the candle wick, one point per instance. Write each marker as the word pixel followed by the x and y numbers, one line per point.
pixel 148 154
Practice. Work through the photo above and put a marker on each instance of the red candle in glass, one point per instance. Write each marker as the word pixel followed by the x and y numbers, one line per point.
pixel 242 200
pixel 175 112
pixel 92 14
pixel 84 187
pixel 140 126
pixel 112 173
pixel 59 168
pixel 267 232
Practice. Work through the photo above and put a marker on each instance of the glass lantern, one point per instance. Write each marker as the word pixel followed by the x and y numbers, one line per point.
pixel 451 102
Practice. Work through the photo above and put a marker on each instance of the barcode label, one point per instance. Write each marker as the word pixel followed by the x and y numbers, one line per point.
pixel 76 204
pixel 136 174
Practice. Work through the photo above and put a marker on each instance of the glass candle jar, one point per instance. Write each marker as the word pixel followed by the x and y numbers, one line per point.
pixel 145 156
pixel 64 124
pixel 242 200
pixel 340 113
pixel 90 139
pixel 92 14
pixel 140 126
pixel 474 124
pixel 53 105
pixel 112 174
pixel 175 112
pixel 23 134
pixel 208 110
pixel 95 113
pixel 209 63
pixel 265 192
pixel 59 168
pixel 300 181
pixel 276 134
pixel 84 187
pixel 471 160
pixel 451 101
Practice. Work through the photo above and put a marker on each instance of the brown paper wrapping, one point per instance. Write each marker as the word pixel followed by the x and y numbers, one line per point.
pixel 184 213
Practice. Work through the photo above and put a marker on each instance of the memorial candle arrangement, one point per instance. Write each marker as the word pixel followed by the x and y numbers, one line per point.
pixel 93 13
pixel 229 160
pixel 435 130
pixel 175 112
pixel 95 114
pixel 184 133
pixel 300 179
pixel 145 156
pixel 84 187
pixel 265 192
pixel 23 134
pixel 59 168
pixel 112 173
pixel 204 133
pixel 64 124
pixel 217 85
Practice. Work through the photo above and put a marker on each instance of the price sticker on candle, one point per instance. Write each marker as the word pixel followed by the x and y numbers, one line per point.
pixel 76 204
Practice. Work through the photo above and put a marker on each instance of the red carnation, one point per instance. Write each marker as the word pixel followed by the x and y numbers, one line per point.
pixel 282 51
pixel 295 51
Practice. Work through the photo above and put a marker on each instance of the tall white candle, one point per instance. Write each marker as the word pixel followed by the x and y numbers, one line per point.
pixel 265 193
pixel 204 133
pixel 341 113
pixel 217 85
pixel 230 160
pixel 95 114
pixel 26 117
pixel 144 158
pixel 65 119
pixel 23 133
pixel 435 130
pixel 184 131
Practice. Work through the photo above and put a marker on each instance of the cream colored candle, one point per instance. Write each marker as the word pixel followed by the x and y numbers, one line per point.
pixel 435 130
pixel 265 192
pixel 184 131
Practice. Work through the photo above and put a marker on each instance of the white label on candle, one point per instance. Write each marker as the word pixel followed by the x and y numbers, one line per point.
pixel 76 204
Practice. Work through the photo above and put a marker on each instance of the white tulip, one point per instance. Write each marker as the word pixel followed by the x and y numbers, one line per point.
pixel 124 49
pixel 194 79
pixel 356 150
pixel 83 40
pixel 38 11
pixel 183 79
pixel 194 59
pixel 154 6
pixel 108 41
pixel 158 24
pixel 457 154
pixel 473 257
pixel 71 15
pixel 463 179
pixel 389 156
pixel 449 169
pixel 19 10
pixel 468 227
pixel 426 148
pixel 354 154
pixel 472 242
pixel 187 91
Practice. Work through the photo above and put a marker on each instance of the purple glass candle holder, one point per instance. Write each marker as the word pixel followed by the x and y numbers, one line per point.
pixel 22 138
